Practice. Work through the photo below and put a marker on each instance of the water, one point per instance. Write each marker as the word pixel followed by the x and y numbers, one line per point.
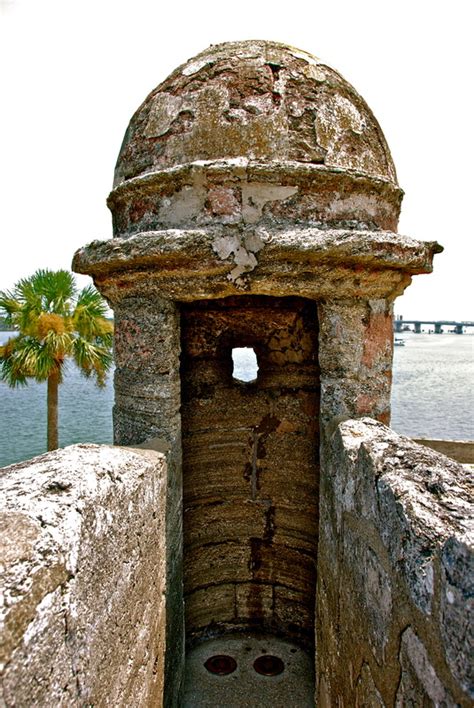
pixel 433 386
pixel 85 414
pixel 432 398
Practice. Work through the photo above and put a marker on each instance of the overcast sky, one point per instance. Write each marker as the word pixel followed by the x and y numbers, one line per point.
pixel 73 73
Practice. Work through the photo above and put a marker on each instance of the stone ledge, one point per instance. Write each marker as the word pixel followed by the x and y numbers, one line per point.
pixel 243 169
pixel 459 450
pixel 222 261
pixel 196 249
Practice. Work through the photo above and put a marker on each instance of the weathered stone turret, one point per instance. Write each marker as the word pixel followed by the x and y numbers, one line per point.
pixel 255 167
pixel 255 204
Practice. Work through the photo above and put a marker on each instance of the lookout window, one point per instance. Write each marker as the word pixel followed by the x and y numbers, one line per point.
pixel 245 364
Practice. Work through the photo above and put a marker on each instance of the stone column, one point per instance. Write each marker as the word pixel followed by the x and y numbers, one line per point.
pixel 355 358
pixel 147 380
pixel 147 408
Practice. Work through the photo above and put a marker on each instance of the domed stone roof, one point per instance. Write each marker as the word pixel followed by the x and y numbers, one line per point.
pixel 257 100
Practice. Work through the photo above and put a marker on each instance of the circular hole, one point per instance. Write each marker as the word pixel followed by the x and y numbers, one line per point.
pixel 221 664
pixel 268 665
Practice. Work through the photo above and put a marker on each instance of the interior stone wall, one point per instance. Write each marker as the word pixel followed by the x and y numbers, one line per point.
pixel 395 573
pixel 250 467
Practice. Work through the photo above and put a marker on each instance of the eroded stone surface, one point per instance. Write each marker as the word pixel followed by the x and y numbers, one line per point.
pixel 366 694
pixel 254 99
pixel 457 607
pixel 318 264
pixel 244 192
pixel 395 551
pixel 419 683
pixel 83 615
pixel 255 204
pixel 255 168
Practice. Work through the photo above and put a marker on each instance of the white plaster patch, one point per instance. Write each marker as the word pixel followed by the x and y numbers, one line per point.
pixel 298 54
pixel 164 110
pixel 255 195
pixel 316 73
pixel 196 66
pixel 259 104
pixel 241 248
pixel 367 204
pixel 346 110
pixel 296 108
pixel 183 206
pixel 336 119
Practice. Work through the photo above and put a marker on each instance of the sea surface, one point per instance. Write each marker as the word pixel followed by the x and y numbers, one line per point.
pixel 433 397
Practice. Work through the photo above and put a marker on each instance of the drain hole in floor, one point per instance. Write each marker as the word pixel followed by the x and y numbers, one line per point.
pixel 221 664
pixel 268 665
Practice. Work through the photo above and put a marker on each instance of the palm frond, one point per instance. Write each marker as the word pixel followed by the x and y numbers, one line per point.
pixel 89 316
pixel 27 358
pixel 8 367
pixel 47 291
pixel 59 290
pixel 54 322
pixel 10 374
pixel 9 307
pixel 92 359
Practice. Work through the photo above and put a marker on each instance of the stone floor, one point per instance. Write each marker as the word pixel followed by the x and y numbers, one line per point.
pixel 293 687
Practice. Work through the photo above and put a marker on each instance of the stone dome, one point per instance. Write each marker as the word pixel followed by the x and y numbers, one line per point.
pixel 258 100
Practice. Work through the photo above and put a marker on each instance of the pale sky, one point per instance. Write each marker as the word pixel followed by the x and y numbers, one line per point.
pixel 73 73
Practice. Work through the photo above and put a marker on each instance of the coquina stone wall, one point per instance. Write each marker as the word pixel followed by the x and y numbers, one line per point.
pixel 84 579
pixel 395 585
pixel 85 586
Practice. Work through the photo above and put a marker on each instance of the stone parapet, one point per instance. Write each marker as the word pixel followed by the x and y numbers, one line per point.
pixel 395 573
pixel 84 578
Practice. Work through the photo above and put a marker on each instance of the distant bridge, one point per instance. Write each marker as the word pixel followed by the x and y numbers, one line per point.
pixel 401 325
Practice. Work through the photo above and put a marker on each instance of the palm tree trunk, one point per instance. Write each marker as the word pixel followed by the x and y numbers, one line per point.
pixel 53 387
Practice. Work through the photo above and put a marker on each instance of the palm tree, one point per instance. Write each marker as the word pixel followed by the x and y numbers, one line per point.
pixel 55 322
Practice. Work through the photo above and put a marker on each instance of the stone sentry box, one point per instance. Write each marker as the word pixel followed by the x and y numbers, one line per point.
pixel 255 204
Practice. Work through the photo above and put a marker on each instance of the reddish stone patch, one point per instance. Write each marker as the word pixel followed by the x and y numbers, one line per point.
pixel 378 336
pixel 139 208
pixel 366 404
pixel 383 417
pixel 223 201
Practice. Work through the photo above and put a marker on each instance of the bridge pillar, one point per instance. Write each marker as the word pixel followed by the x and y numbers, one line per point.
pixel 438 329
pixel 398 325
pixel 418 327
pixel 458 328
